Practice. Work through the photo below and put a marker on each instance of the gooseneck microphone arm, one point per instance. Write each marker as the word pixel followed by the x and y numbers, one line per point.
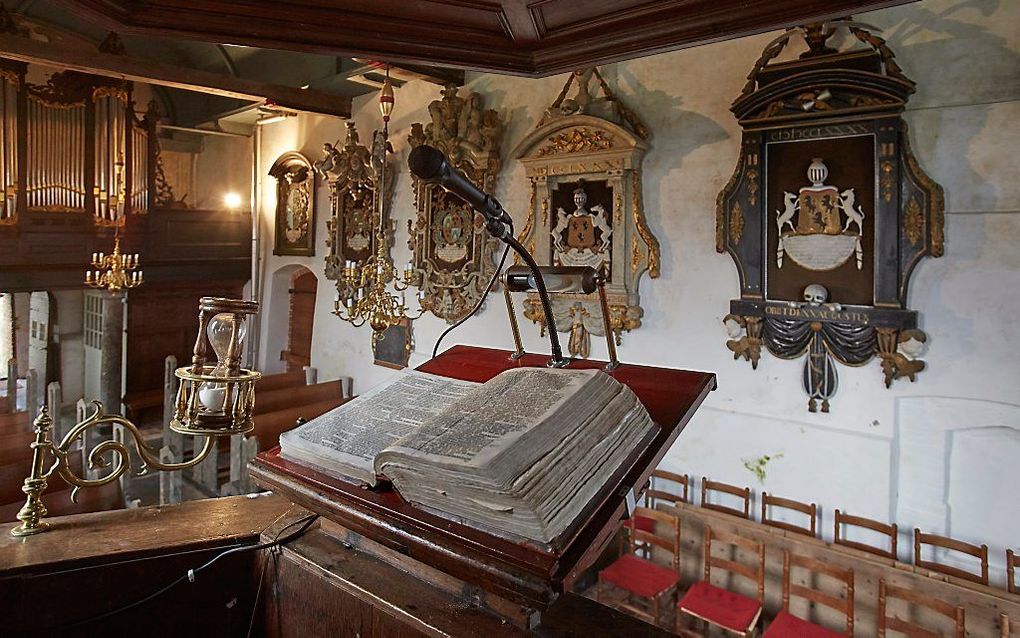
pixel 430 165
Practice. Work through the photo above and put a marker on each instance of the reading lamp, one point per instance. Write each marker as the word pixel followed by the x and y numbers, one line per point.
pixel 214 399
pixel 583 280
pixel 431 166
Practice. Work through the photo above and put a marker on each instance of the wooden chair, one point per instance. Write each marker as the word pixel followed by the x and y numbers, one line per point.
pixel 886 622
pixel 656 492
pixel 979 552
pixel 720 607
pixel 1011 563
pixel 786 625
pixel 808 509
pixel 639 576
pixel 843 520
pixel 715 486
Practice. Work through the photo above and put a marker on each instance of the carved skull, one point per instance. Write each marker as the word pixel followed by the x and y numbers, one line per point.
pixel 733 326
pixel 815 294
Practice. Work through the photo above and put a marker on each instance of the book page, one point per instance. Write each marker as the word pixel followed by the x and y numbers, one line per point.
pixel 477 428
pixel 355 432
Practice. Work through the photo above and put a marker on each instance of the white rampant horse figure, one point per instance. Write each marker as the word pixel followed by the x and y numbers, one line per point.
pixel 854 214
pixel 790 209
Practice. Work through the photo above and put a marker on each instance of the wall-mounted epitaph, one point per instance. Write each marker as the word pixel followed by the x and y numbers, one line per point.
pixel 827 212
pixel 584 165
pixel 453 255
pixel 295 205
pixel 353 173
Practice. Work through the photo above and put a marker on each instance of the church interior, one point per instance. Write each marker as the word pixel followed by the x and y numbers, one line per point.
pixel 494 317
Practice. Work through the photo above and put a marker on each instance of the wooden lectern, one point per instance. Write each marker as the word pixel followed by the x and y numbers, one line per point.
pixel 517 582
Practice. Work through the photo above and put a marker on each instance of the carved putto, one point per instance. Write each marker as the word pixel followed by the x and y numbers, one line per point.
pixel 452 254
pixel 584 164
pixel 353 173
pixel 825 266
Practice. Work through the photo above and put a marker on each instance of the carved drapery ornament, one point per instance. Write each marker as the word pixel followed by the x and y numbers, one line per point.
pixel 353 173
pixel 827 212
pixel 452 255
pixel 584 165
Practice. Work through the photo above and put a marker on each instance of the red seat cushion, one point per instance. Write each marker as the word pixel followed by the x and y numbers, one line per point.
pixel 639 576
pixel 643 523
pixel 720 607
pixel 788 626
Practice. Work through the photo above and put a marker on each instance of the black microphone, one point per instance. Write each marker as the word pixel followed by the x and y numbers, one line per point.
pixel 430 165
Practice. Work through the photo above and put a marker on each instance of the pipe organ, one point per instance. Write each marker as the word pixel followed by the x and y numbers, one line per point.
pixel 75 145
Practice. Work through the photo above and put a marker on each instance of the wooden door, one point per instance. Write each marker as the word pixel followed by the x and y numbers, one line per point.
pixel 303 285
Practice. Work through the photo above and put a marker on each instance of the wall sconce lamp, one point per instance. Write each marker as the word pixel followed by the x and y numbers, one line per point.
pixel 214 399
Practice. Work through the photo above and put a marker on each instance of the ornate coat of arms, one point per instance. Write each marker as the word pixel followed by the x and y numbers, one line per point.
pixel 820 240
pixel 582 237
pixel 584 164
pixel 824 268
pixel 352 171
pixel 452 255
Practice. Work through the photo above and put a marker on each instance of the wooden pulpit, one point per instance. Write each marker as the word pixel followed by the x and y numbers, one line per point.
pixel 516 581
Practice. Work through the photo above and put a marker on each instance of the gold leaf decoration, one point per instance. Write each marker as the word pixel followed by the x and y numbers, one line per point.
pixel 578 140
pixel 736 225
pixel 913 221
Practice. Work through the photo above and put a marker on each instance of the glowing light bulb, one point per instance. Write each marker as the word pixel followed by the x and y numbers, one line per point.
pixel 232 201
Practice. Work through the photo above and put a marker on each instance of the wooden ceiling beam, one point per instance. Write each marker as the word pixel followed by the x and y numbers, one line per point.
pixel 15 47
pixel 517 37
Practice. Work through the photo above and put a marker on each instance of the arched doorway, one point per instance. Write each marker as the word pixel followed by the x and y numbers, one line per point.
pixel 303 285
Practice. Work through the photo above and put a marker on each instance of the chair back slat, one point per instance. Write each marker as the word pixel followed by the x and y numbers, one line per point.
pixel 743 493
pixel 885 621
pixel 890 531
pixel 656 491
pixel 670 543
pixel 808 509
pixel 1012 560
pixel 755 574
pixel 978 551
pixel 844 604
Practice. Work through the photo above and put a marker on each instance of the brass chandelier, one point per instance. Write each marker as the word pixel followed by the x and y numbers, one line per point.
pixel 366 293
pixel 116 271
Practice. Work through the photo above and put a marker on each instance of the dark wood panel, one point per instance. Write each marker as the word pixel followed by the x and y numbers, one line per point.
pixel 92 563
pixel 505 36
pixel 163 320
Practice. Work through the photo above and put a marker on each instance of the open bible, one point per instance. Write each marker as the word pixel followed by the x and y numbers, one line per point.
pixel 522 455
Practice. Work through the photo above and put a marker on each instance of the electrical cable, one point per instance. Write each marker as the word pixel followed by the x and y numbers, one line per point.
pixel 191 573
pixel 481 300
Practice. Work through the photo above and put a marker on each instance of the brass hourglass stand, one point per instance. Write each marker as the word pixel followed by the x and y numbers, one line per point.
pixel 213 400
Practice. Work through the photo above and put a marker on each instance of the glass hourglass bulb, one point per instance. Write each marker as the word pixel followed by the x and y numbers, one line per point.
pixel 220 332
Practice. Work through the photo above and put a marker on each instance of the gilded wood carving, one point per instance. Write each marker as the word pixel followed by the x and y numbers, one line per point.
pixel 827 212
pixel 353 173
pixel 452 255
pixel 584 165
pixel 295 205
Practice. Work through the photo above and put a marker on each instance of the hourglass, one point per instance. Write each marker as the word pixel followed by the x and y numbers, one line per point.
pixel 217 398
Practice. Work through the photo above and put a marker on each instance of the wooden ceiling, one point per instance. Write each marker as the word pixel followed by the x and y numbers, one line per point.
pixel 520 37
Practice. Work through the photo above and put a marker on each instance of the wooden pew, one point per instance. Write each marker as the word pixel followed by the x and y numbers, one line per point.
pixel 269 427
pixel 284 398
pixel 272 382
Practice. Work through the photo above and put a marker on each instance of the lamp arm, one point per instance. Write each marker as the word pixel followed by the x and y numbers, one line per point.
pixel 32 513
pixel 119 449
pixel 557 360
